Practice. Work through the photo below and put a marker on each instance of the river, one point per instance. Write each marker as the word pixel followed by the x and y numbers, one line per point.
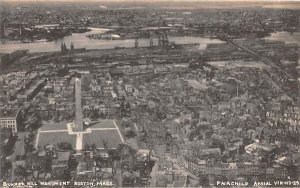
pixel 81 41
pixel 286 37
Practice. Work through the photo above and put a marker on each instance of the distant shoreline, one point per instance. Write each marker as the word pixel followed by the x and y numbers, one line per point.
pixel 167 4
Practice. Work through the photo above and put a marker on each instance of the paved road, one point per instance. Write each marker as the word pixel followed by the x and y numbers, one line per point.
pixel 18 150
pixel 119 178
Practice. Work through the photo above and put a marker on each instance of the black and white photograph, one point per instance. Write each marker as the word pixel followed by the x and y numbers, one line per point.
pixel 149 93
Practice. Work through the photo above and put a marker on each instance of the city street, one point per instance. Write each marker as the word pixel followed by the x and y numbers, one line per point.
pixel 118 169
pixel 18 150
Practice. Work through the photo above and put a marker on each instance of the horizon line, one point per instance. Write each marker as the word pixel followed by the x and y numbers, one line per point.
pixel 210 1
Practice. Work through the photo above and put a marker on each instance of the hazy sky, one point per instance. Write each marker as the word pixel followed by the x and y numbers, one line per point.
pixel 211 1
pixel 163 0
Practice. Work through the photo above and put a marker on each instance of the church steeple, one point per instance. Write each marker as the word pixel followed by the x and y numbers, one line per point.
pixel 63 48
pixel 72 46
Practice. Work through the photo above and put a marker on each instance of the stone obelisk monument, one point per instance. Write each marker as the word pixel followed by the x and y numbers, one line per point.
pixel 78 110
